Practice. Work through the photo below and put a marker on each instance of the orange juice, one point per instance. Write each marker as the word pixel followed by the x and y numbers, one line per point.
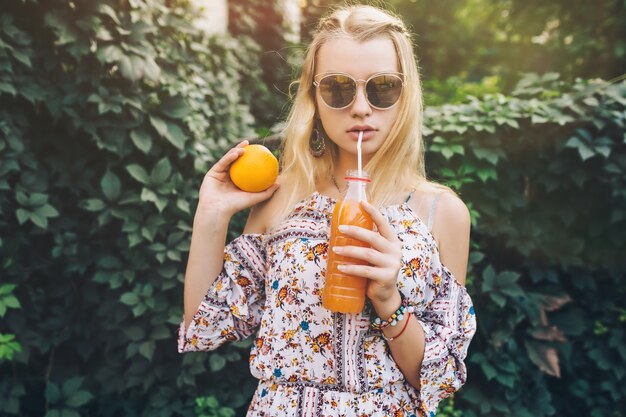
pixel 345 293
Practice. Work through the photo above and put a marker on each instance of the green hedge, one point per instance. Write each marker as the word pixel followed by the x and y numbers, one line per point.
pixel 544 174
pixel 110 114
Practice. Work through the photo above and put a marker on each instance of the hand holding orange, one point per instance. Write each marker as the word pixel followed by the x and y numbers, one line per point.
pixel 255 170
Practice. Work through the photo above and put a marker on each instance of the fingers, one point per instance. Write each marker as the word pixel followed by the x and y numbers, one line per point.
pixel 369 255
pixel 383 226
pixel 264 195
pixel 365 271
pixel 231 156
pixel 375 239
pixel 384 257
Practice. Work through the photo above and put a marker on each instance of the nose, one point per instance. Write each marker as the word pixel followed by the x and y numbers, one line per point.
pixel 360 106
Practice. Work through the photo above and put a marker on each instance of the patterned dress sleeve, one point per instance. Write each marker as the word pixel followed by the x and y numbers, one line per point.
pixel 233 306
pixel 449 322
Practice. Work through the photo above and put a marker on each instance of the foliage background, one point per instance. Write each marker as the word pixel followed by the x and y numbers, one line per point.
pixel 112 111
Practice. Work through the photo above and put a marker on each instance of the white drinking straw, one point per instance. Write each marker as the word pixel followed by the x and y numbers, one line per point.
pixel 358 151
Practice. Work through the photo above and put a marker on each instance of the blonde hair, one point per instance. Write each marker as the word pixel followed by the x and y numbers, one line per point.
pixel 399 164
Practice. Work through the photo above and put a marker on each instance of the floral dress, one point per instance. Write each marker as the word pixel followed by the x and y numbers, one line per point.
pixel 313 362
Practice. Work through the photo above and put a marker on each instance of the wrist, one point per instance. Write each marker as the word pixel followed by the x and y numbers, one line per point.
pixel 211 214
pixel 214 208
pixel 384 309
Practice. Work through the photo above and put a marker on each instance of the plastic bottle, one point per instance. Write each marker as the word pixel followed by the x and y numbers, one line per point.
pixel 345 293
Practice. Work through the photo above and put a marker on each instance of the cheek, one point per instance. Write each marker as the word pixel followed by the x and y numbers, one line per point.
pixel 390 118
pixel 330 120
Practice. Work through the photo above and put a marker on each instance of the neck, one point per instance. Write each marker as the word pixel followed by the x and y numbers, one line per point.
pixel 345 163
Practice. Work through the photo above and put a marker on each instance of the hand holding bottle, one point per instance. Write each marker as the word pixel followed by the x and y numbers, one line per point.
pixel 383 259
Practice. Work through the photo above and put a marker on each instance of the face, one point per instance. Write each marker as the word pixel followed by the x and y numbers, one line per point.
pixel 360 60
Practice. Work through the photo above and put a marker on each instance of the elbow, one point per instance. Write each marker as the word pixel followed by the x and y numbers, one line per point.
pixel 416 384
pixel 415 379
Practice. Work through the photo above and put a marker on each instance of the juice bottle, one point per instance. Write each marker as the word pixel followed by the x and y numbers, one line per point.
pixel 345 293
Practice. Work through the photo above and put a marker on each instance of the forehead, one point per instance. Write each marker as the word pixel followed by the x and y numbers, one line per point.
pixel 359 59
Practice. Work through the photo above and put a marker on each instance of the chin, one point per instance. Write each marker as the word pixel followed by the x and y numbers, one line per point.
pixel 368 149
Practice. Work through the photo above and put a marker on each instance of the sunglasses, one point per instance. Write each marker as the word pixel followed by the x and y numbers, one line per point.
pixel 338 90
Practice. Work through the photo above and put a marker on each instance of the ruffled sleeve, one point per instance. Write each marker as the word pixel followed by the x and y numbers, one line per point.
pixel 449 323
pixel 233 306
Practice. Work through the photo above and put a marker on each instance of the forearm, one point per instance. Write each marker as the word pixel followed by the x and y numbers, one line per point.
pixel 408 349
pixel 206 257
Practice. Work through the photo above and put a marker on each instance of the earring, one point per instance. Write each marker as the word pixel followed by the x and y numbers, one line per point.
pixel 317 143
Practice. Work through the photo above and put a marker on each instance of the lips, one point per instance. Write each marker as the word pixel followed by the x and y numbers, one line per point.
pixel 364 128
pixel 367 134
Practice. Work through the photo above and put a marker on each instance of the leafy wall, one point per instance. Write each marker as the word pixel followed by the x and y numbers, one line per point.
pixel 543 171
pixel 111 112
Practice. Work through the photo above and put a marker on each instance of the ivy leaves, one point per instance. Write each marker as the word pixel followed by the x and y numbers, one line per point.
pixel 544 173
pixel 110 114
pixel 34 208
pixel 67 398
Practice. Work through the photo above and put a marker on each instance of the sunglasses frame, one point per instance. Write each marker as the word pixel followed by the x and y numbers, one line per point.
pixel 319 77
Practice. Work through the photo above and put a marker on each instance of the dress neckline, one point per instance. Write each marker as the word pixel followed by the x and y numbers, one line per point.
pixel 411 212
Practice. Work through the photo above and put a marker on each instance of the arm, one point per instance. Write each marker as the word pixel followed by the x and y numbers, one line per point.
pixel 447 315
pixel 431 351
pixel 206 256
pixel 218 199
pixel 452 231
pixel 408 349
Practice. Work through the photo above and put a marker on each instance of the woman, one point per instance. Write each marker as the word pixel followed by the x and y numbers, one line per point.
pixel 359 75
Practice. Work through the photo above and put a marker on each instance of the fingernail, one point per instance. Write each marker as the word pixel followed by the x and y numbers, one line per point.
pixel 337 249
pixel 341 267
pixel 343 228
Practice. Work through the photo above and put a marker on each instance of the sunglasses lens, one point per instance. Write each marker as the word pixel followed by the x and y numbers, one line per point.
pixel 337 90
pixel 384 91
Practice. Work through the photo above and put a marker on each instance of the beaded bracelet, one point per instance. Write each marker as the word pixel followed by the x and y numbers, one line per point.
pixel 377 323
pixel 390 339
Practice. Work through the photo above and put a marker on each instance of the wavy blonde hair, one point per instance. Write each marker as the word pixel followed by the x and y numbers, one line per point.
pixel 399 164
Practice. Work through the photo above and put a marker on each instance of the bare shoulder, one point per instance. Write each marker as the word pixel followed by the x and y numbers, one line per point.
pixel 452 211
pixel 262 214
pixel 451 230
pixel 427 197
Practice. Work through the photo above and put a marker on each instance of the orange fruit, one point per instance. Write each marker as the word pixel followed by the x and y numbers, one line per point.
pixel 255 170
